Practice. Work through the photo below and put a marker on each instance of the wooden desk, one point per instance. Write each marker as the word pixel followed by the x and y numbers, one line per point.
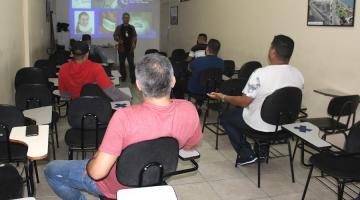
pixel 37 148
pixel 116 105
pixel 37 145
pixel 115 73
pixel 42 115
pixel 164 192
pixel 308 134
pixel 330 92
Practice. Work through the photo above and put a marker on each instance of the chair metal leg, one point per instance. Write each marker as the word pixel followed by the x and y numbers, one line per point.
pixel 31 178
pixel 259 163
pixel 217 134
pixel 307 182
pixel 53 145
pixel 204 121
pixel 291 162
pixel 27 179
pixel 295 148
pixel 56 135
pixel 70 154
pixel 340 189
pixel 36 172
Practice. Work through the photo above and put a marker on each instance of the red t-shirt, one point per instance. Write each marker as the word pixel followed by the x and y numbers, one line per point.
pixel 73 76
pixel 145 122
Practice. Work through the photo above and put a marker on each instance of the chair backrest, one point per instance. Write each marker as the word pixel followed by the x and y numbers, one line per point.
pixel 146 163
pixel 80 107
pixel 248 68
pixel 233 87
pixel 163 53
pixel 282 106
pixel 95 58
pixel 59 57
pixel 94 90
pixel 47 66
pixel 178 55
pixel 150 51
pixel 229 68
pixel 10 116
pixel 343 105
pixel 32 96
pixel 180 69
pixel 352 144
pixel 11 183
pixel 211 79
pixel 30 75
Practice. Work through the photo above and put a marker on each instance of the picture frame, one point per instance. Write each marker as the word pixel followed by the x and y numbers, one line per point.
pixel 331 13
pixel 174 15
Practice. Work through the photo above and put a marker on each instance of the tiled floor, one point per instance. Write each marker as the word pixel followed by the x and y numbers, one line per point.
pixel 217 178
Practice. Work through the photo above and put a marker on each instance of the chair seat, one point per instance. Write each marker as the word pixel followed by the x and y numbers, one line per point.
pixel 267 136
pixel 73 138
pixel 343 167
pixel 326 123
pixel 18 152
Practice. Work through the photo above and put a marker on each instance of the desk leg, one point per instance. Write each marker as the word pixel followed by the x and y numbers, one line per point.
pixel 31 177
pixel 302 155
pixel 53 144
pixel 27 177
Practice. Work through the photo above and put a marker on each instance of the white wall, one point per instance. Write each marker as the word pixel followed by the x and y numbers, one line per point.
pixel 23 40
pixel 327 56
pixel 62 15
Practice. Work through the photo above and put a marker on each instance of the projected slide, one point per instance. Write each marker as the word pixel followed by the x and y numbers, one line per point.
pixel 100 17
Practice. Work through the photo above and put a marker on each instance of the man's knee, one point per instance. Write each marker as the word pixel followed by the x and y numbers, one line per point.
pixel 53 168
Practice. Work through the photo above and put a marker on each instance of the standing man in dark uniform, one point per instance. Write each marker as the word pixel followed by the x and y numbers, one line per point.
pixel 125 35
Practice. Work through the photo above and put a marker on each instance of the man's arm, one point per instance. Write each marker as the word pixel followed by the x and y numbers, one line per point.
pixel 134 39
pixel 100 165
pixel 242 101
pixel 116 34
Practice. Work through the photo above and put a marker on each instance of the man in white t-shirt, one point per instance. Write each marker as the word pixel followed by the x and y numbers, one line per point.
pixel 263 82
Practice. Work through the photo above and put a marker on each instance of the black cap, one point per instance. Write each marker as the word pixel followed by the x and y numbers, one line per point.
pixel 79 48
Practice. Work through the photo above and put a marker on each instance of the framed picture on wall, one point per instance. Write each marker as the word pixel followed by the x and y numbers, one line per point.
pixel 331 13
pixel 174 15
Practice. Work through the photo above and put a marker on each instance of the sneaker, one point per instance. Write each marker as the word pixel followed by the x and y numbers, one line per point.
pixel 246 161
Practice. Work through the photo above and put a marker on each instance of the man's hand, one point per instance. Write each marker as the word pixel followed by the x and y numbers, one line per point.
pixel 216 95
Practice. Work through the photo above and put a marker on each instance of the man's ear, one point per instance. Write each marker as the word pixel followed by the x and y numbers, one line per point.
pixel 138 85
pixel 173 81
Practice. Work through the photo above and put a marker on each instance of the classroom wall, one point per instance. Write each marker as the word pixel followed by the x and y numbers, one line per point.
pixel 327 56
pixel 18 46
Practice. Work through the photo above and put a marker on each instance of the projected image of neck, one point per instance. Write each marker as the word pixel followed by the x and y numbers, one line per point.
pixel 99 18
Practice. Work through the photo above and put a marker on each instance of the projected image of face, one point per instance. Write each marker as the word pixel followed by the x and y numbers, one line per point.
pixel 113 4
pixel 84 22
pixel 81 3
pixel 142 22
pixel 108 22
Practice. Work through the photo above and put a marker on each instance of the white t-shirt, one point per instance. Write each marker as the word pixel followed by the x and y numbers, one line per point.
pixel 263 82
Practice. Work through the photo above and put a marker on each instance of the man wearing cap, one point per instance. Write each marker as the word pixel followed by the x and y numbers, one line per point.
pixel 125 35
pixel 81 71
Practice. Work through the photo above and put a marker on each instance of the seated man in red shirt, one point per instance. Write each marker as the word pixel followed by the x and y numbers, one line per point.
pixel 81 71
pixel 159 116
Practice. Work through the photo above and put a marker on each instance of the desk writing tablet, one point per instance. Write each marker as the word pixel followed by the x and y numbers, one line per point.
pixel 42 115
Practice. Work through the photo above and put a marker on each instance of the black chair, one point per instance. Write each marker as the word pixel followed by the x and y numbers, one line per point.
pixel 95 58
pixel 11 183
pixel 94 90
pixel 30 96
pixel 30 75
pixel 279 108
pixel 150 51
pixel 178 55
pixel 343 167
pixel 232 87
pixel 163 53
pixel 181 75
pixel 147 163
pixel 60 57
pixel 10 152
pixel 47 66
pixel 247 69
pixel 88 118
pixel 210 79
pixel 229 68
pixel 339 108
